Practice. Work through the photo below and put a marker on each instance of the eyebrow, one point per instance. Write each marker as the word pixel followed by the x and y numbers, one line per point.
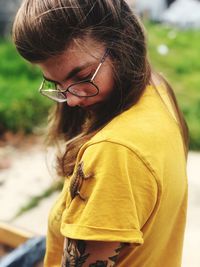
pixel 72 73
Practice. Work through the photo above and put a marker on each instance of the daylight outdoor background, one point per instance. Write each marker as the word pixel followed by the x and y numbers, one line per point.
pixel 173 41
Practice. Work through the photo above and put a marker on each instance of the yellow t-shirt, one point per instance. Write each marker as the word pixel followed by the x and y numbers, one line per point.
pixel 129 185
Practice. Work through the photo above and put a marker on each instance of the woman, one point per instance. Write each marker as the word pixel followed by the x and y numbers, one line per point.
pixel 125 141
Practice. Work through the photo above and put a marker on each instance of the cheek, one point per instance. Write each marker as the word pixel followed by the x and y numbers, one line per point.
pixel 106 87
pixel 106 83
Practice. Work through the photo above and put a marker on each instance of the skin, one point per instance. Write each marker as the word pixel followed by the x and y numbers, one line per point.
pixel 59 67
pixel 77 253
pixel 80 253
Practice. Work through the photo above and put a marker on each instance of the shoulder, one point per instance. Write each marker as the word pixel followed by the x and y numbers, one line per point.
pixel 146 131
pixel 145 124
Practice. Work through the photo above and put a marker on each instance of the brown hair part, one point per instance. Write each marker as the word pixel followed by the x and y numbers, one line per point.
pixel 43 29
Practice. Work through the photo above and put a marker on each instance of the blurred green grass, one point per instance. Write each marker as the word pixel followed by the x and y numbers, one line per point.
pixel 181 67
pixel 23 109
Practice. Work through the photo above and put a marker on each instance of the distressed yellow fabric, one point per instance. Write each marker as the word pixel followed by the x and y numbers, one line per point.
pixel 129 185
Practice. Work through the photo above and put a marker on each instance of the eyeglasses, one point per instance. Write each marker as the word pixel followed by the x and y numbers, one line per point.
pixel 85 88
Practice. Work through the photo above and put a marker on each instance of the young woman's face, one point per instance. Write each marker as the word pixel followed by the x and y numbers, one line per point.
pixel 77 64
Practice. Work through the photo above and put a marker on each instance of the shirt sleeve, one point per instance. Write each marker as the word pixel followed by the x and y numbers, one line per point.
pixel 117 196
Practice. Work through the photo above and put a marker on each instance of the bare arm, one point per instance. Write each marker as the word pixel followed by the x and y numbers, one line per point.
pixel 80 253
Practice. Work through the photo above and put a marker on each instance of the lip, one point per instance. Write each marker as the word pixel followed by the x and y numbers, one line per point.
pixel 82 106
pixel 96 107
pixel 89 107
pixel 86 106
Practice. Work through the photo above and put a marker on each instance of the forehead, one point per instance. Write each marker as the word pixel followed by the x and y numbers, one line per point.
pixel 85 48
pixel 75 55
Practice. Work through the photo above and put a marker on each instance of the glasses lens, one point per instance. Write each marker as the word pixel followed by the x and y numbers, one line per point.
pixel 54 95
pixel 49 89
pixel 48 85
pixel 83 89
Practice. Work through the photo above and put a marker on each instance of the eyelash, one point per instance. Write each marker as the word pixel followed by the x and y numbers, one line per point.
pixel 80 78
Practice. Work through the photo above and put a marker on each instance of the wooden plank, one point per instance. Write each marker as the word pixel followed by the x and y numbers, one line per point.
pixel 13 236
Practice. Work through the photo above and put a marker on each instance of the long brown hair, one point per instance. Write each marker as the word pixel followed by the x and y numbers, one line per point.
pixel 43 29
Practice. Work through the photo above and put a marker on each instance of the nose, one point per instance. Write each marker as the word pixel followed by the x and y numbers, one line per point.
pixel 73 100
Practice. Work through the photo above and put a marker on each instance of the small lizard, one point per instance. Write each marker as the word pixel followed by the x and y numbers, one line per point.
pixel 77 181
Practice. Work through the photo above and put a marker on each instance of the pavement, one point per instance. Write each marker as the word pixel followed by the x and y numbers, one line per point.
pixel 26 175
pixel 191 255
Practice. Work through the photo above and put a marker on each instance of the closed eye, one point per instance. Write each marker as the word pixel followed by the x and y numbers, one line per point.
pixel 81 77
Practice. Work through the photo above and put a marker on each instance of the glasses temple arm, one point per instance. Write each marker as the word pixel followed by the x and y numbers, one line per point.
pixel 100 64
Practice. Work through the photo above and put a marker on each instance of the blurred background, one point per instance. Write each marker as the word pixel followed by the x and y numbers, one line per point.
pixel 27 187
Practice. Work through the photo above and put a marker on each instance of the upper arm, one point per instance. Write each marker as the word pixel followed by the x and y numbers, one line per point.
pixel 119 179
pixel 81 253
pixel 110 207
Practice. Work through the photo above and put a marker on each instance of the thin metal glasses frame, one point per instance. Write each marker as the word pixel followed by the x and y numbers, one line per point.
pixel 63 92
